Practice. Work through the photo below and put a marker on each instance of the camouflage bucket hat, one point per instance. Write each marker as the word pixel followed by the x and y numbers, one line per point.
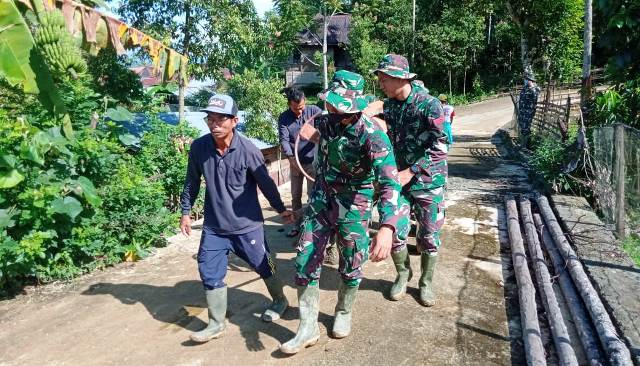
pixel 395 66
pixel 345 92
pixel 529 76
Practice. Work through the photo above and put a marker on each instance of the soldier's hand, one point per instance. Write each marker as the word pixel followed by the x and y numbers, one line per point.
pixel 381 245
pixel 185 225
pixel 288 217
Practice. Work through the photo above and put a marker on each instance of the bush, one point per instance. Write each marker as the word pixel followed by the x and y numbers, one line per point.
pixel 619 104
pixel 550 157
pixel 112 77
pixel 72 205
pixel 164 157
pixel 631 245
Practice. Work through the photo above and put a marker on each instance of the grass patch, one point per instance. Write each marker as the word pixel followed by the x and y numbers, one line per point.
pixel 631 245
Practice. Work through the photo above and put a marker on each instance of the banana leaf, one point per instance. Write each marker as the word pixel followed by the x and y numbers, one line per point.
pixel 20 61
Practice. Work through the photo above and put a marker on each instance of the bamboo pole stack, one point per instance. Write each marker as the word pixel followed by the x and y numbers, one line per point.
pixel 597 335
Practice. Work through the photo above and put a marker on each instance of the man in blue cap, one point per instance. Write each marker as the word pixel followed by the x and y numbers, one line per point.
pixel 233 168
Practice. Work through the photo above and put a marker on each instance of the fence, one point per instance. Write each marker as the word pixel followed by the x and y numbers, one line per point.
pixel 616 168
pixel 554 110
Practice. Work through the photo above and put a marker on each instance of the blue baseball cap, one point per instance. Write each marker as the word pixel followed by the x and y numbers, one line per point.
pixel 223 104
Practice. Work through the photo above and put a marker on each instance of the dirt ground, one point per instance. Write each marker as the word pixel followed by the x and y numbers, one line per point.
pixel 142 313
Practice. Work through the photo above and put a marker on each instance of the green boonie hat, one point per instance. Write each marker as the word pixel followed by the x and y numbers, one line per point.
pixel 395 66
pixel 345 92
pixel 442 97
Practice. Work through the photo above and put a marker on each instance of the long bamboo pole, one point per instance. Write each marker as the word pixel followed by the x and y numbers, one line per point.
pixel 533 347
pixel 559 332
pixel 617 352
pixel 581 320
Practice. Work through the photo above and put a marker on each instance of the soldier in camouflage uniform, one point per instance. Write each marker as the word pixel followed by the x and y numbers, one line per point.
pixel 416 127
pixel 527 106
pixel 353 153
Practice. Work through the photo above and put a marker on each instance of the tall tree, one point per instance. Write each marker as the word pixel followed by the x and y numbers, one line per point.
pixel 174 22
pixel 586 58
pixel 550 33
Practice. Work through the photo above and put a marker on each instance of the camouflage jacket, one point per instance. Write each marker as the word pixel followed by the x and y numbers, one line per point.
pixel 416 129
pixel 527 103
pixel 351 159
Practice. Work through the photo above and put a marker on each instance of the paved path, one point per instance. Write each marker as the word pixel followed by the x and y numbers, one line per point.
pixel 142 313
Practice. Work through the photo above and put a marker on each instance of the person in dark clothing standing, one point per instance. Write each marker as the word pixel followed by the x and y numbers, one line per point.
pixel 233 168
pixel 289 124
pixel 527 107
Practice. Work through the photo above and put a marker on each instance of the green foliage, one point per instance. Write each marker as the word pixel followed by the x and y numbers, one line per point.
pixel 69 205
pixel 199 98
pixel 631 245
pixel 621 37
pixel 364 50
pixel 22 63
pixel 262 101
pixel 112 77
pixel 164 157
pixel 549 158
pixel 452 43
pixel 619 104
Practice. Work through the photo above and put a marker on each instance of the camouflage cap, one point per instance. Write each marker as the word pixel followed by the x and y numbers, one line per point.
pixel 345 92
pixel 395 66
pixel 442 97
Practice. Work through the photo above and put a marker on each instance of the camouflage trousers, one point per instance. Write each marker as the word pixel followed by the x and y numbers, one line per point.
pixel 428 206
pixel 524 122
pixel 348 216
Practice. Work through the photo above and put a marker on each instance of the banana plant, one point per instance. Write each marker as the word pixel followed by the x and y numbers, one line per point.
pixel 21 63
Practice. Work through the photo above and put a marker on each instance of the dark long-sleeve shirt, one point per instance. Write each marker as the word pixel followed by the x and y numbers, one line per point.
pixel 231 203
pixel 288 128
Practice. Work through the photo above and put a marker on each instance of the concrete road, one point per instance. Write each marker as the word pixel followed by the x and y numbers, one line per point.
pixel 142 313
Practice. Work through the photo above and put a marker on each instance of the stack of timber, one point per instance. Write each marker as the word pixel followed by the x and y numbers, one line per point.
pixel 548 258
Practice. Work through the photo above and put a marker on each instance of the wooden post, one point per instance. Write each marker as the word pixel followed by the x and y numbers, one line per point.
pixel 616 349
pixel 533 347
pixel 567 115
pixel 619 174
pixel 559 332
pixel 586 333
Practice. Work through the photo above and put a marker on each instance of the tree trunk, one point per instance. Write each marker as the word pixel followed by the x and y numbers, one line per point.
pixel 524 51
pixel 524 44
pixel 586 57
pixel 325 73
pixel 182 84
pixel 464 82
pixel 489 30
pixel 450 81
pixel 413 35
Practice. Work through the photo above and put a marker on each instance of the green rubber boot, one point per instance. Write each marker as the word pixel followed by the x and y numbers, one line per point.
pixel 279 304
pixel 342 318
pixel 402 262
pixel 308 331
pixel 428 264
pixel 217 304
